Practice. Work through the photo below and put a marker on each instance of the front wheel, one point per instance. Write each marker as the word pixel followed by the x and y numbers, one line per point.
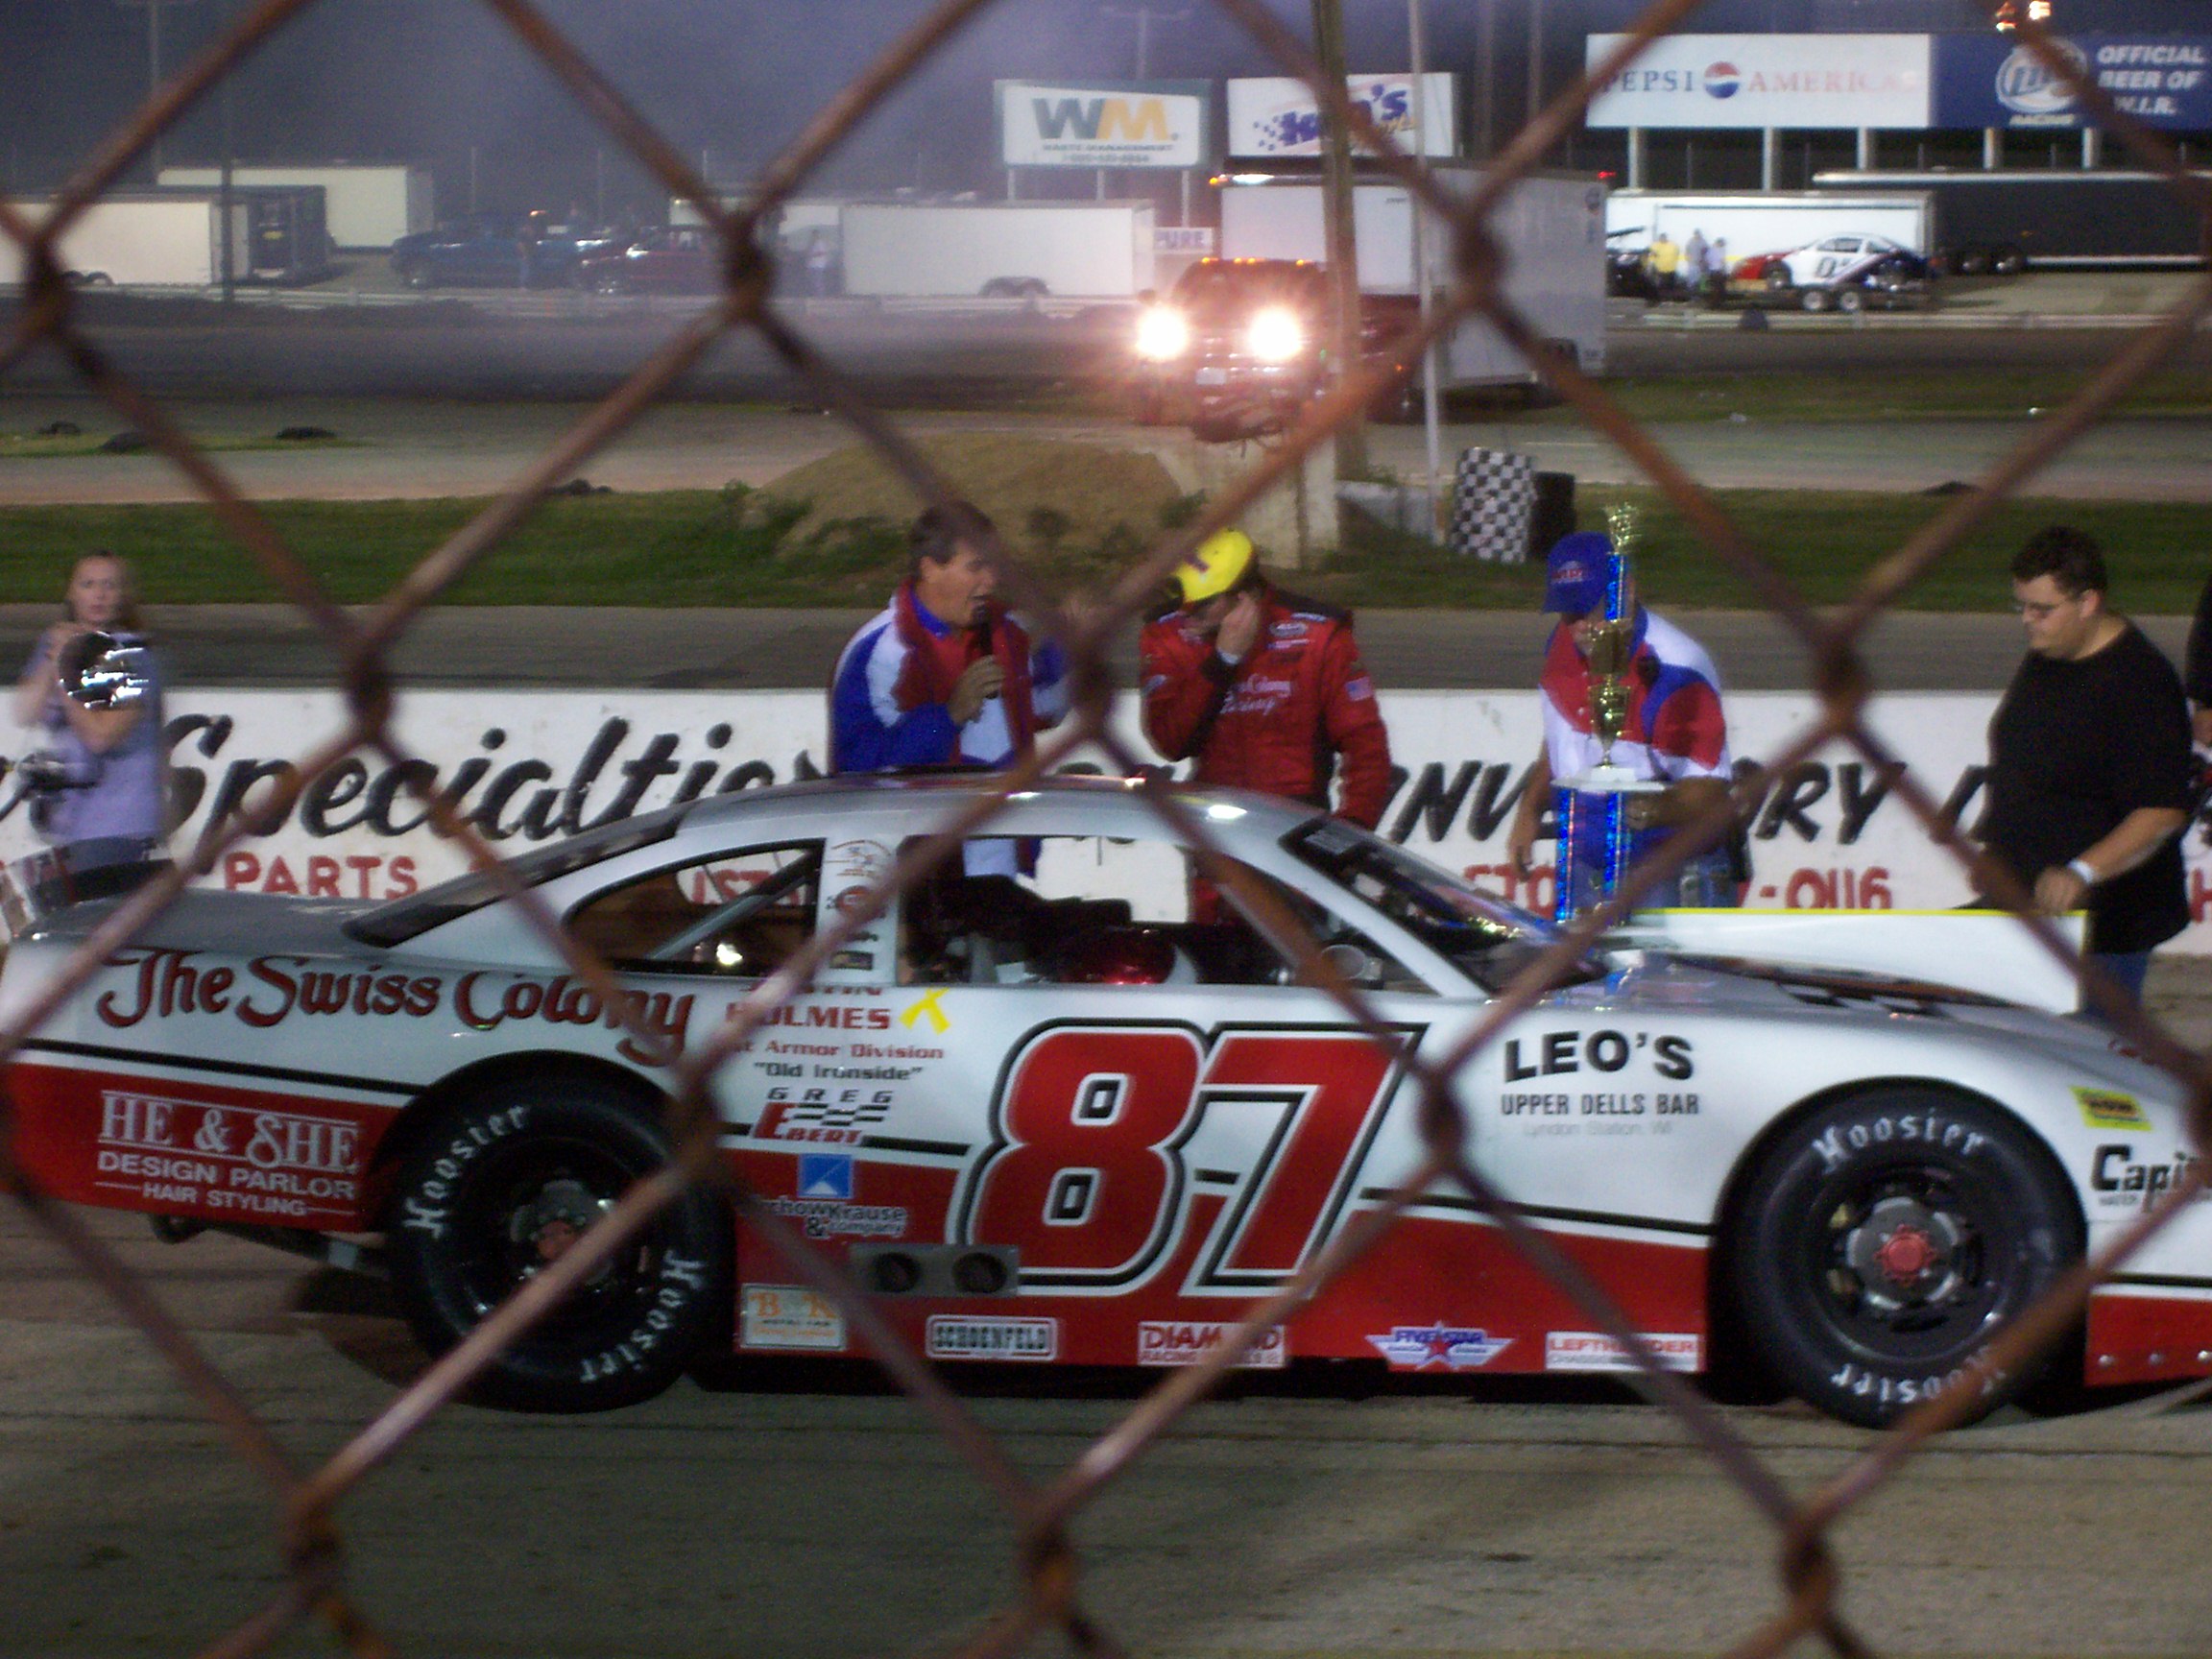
pixel 1817 299
pixel 1777 279
pixel 500 1187
pixel 1884 1239
pixel 1851 301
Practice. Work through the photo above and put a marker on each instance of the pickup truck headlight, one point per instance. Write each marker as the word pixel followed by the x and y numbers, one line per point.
pixel 1162 334
pixel 1275 335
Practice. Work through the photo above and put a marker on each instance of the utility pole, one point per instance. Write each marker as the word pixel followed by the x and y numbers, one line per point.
pixel 1343 250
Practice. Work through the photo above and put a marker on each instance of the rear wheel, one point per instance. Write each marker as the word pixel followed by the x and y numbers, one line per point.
pixel 2008 262
pixel 1852 300
pixel 1883 1241
pixel 1777 279
pixel 500 1187
pixel 1817 299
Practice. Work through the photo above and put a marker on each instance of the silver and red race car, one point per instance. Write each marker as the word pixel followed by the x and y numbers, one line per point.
pixel 1065 1101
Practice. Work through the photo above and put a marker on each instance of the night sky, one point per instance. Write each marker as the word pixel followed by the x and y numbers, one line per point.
pixel 732 81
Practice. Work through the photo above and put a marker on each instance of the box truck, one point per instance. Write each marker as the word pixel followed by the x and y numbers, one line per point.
pixel 173 239
pixel 364 206
pixel 1769 221
pixel 1549 225
pixel 1015 250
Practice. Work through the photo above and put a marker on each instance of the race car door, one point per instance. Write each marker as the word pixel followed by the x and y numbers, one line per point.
pixel 1137 1096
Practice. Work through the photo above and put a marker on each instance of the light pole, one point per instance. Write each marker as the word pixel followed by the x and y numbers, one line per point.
pixel 154 61
pixel 1416 44
pixel 1336 216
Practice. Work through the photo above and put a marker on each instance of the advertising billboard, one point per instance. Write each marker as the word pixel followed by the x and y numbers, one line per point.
pixel 1276 115
pixel 1103 123
pixel 1795 80
pixel 1995 81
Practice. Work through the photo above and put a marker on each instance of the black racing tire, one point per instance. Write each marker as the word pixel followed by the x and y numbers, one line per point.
pixel 2007 262
pixel 1972 262
pixel 607 283
pixel 1882 1239
pixel 499 1184
pixel 416 275
pixel 1777 279
pixel 1816 299
pixel 1850 302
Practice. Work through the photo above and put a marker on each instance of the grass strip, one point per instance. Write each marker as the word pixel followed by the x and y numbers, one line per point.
pixel 739 548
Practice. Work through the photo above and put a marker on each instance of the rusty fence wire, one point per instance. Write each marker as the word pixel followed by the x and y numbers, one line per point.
pixel 310 1504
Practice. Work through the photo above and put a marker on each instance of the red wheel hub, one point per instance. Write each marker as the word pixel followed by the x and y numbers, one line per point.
pixel 1906 1255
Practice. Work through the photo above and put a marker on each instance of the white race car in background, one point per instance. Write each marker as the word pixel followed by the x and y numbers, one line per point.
pixel 1847 271
pixel 1088 1113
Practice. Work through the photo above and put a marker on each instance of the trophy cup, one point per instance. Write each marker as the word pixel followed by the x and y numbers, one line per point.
pixel 1596 838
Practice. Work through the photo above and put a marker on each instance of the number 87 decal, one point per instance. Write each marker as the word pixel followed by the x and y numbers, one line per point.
pixel 1086 1173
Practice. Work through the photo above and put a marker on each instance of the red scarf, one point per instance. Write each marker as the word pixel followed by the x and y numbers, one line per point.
pixel 936 660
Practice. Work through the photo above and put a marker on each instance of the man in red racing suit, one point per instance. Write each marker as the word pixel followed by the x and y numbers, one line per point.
pixel 1265 689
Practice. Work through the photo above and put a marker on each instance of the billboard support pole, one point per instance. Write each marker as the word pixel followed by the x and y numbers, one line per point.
pixel 1769 157
pixel 1865 149
pixel 1638 143
pixel 1337 214
pixel 1417 43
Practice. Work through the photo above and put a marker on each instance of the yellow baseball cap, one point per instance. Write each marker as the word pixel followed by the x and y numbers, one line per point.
pixel 1219 562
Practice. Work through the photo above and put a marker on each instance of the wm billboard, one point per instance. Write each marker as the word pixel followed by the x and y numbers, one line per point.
pixel 1103 123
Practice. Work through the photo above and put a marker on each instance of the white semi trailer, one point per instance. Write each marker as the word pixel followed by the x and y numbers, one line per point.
pixel 364 206
pixel 169 240
pixel 1770 221
pixel 1012 249
pixel 1549 225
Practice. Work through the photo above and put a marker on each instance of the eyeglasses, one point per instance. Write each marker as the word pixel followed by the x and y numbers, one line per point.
pixel 2035 612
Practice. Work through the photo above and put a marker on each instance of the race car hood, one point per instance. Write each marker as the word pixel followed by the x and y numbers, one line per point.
pixel 240 923
pixel 1763 988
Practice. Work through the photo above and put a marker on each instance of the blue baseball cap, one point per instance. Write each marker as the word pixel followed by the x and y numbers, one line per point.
pixel 1578 572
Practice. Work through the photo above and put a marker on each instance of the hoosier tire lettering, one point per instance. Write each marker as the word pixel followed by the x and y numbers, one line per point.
pixel 510 1180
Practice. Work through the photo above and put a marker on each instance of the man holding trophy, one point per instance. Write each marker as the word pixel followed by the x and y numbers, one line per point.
pixel 1635 742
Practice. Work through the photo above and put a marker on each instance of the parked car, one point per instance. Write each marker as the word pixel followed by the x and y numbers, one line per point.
pixel 1240 347
pixel 1627 275
pixel 1847 273
pixel 1092 1115
pixel 665 259
pixel 495 251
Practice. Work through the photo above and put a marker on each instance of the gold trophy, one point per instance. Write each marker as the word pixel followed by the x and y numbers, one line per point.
pixel 1608 660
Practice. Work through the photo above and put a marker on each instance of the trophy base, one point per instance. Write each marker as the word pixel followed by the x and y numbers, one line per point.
pixel 1609 780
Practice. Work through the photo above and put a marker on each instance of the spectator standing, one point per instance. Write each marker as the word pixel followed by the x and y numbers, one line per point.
pixel 108 804
pixel 2089 763
pixel 1694 259
pixel 1666 261
pixel 1716 270
pixel 1265 689
pixel 2196 670
pixel 944 676
pixel 818 262
pixel 1675 730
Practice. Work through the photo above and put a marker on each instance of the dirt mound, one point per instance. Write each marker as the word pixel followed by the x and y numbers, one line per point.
pixel 1081 511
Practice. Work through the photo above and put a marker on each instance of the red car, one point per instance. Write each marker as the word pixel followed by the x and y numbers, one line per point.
pixel 668 260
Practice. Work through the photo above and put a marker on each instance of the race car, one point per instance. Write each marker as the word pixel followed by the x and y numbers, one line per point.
pixel 1068 1100
pixel 1847 272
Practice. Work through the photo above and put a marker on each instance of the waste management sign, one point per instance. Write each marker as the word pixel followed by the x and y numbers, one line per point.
pixel 1103 123
pixel 1832 831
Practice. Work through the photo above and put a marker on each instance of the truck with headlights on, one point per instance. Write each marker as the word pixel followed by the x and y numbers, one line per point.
pixel 1241 343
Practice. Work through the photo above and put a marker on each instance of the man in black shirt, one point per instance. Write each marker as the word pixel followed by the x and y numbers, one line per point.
pixel 2089 761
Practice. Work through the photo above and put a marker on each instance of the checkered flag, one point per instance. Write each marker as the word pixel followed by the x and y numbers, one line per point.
pixel 1493 504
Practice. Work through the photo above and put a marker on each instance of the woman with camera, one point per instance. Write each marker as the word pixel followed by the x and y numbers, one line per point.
pixel 93 691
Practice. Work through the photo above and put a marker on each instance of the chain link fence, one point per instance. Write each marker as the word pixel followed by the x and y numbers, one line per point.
pixel 311 1502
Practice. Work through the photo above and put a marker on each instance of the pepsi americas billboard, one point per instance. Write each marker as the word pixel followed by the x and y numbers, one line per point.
pixel 1992 81
pixel 1758 81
